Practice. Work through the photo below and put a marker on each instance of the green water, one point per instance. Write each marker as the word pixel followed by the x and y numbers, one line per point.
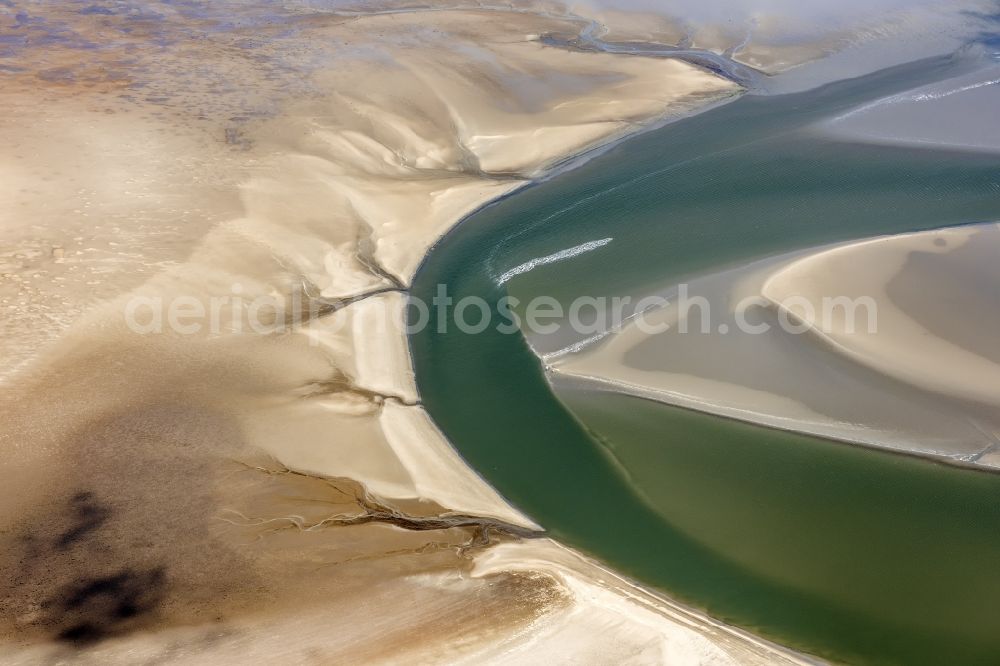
pixel 849 554
pixel 866 548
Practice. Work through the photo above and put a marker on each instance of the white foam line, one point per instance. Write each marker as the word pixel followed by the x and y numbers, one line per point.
pixel 911 97
pixel 552 258
pixel 578 346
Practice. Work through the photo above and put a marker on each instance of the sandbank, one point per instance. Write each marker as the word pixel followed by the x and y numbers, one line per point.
pixel 262 483
pixel 883 342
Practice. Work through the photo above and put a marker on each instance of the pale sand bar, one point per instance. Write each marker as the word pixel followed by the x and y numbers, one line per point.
pixel 220 494
pixel 891 344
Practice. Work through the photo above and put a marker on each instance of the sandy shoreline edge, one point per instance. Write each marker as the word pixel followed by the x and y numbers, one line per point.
pixel 875 345
pixel 227 466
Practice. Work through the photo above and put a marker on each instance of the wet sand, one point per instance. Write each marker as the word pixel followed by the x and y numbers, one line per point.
pixel 224 492
pixel 914 118
pixel 884 342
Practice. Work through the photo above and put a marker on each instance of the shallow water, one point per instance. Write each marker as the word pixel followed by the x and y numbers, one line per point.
pixel 850 554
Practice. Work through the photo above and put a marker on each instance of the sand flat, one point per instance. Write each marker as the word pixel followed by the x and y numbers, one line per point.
pixel 920 380
pixel 246 474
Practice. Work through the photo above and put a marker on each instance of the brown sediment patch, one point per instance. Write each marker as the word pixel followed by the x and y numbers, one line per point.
pixel 147 527
pixel 118 538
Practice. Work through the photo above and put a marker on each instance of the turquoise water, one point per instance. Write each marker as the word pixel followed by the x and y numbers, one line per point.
pixel 850 554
